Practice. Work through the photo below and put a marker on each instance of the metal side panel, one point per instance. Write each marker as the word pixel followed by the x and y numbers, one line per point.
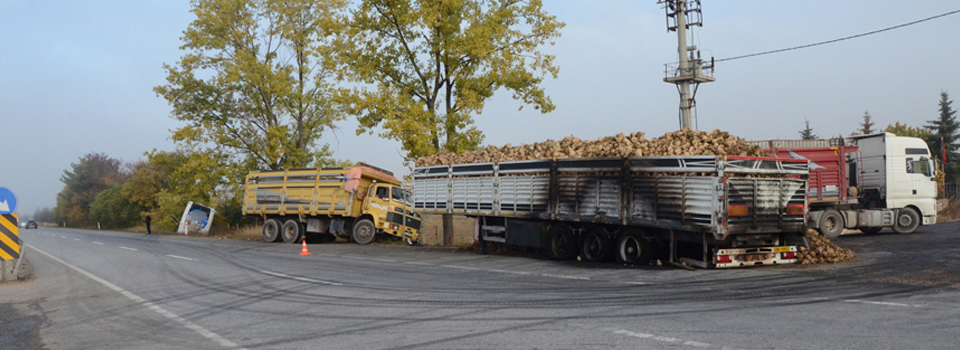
pixel 767 200
pixel 589 197
pixel 523 195
pixel 689 200
pixel 473 195
pixel 430 194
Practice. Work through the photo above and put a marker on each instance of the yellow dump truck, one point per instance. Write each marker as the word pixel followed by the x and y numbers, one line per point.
pixel 359 202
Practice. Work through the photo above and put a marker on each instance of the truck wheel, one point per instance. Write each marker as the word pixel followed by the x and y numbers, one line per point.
pixel 364 232
pixel 908 220
pixel 271 231
pixel 291 231
pixel 831 224
pixel 871 230
pixel 595 245
pixel 562 246
pixel 633 249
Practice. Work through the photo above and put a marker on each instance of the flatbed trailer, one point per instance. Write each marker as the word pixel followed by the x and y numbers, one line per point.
pixel 706 211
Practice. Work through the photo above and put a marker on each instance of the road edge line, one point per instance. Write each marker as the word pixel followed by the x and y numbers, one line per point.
pixel 189 325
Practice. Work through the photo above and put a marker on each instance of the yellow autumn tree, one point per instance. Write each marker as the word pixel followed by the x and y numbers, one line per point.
pixel 255 82
pixel 426 68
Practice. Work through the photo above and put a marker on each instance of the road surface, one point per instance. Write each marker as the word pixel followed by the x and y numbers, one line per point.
pixel 111 290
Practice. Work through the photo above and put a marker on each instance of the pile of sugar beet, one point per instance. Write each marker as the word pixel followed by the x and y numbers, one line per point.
pixel 677 143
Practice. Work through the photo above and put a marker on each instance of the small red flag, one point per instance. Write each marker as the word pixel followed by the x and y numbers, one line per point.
pixel 943 152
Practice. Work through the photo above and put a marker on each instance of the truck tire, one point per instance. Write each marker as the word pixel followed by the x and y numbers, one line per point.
pixel 364 231
pixel 908 220
pixel 271 231
pixel 291 232
pixel 831 224
pixel 595 246
pixel 560 243
pixel 633 249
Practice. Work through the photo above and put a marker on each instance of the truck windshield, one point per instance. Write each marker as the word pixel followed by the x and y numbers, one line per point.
pixel 398 195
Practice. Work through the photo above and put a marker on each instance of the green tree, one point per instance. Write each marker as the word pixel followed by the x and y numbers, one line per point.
pixel 112 210
pixel 187 175
pixel 945 133
pixel 266 97
pixel 906 130
pixel 807 132
pixel 866 127
pixel 94 173
pixel 429 66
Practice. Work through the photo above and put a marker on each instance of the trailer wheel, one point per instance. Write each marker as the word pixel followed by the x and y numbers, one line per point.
pixel 364 232
pixel 595 245
pixel 633 249
pixel 831 224
pixel 291 231
pixel 271 231
pixel 561 244
pixel 871 230
pixel 908 220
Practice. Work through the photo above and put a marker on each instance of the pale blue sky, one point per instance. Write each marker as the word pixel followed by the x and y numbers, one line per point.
pixel 77 77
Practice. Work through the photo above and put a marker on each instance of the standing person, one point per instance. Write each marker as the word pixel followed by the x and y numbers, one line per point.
pixel 147 220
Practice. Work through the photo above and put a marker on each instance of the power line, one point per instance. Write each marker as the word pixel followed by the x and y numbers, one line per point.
pixel 841 39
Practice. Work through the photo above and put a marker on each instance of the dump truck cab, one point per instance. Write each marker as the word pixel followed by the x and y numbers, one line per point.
pixel 389 206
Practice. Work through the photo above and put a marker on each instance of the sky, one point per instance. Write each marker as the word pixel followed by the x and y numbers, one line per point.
pixel 77 77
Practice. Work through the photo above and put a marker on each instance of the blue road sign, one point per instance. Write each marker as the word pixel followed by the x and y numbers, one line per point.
pixel 8 201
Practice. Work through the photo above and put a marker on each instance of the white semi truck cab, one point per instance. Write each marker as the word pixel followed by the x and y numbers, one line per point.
pixel 896 172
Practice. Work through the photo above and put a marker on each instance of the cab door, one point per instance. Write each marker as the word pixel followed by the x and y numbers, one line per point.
pixel 923 180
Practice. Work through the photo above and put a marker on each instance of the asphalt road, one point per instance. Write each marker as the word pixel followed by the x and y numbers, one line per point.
pixel 109 290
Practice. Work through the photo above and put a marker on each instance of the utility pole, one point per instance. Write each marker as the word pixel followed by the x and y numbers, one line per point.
pixel 681 15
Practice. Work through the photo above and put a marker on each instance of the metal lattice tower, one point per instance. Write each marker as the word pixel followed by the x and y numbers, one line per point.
pixel 690 70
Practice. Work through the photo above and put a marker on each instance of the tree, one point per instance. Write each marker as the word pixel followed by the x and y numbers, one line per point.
pixel 430 66
pixel 866 127
pixel 112 210
pixel 187 175
pixel 945 134
pixel 94 173
pixel 911 131
pixel 267 98
pixel 807 132
pixel 43 215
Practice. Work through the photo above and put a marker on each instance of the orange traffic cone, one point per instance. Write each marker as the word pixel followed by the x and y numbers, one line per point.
pixel 304 250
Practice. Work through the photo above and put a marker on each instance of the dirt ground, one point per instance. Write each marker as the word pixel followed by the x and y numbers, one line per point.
pixel 951 212
pixel 431 232
pixel 929 257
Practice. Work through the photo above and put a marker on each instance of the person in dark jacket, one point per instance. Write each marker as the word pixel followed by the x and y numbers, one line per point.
pixel 147 220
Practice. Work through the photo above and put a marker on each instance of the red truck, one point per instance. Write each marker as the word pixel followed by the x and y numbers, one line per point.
pixel 865 182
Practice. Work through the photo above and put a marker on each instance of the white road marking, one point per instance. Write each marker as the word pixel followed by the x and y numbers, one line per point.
pixel 274 273
pixel 128 248
pixel 663 339
pixel 460 267
pixel 567 277
pixel 77 239
pixel 355 257
pixel 181 257
pixel 383 260
pixel 884 303
pixel 97 243
pixel 190 325
pixel 303 279
pixel 637 283
pixel 512 272
pixel 417 263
